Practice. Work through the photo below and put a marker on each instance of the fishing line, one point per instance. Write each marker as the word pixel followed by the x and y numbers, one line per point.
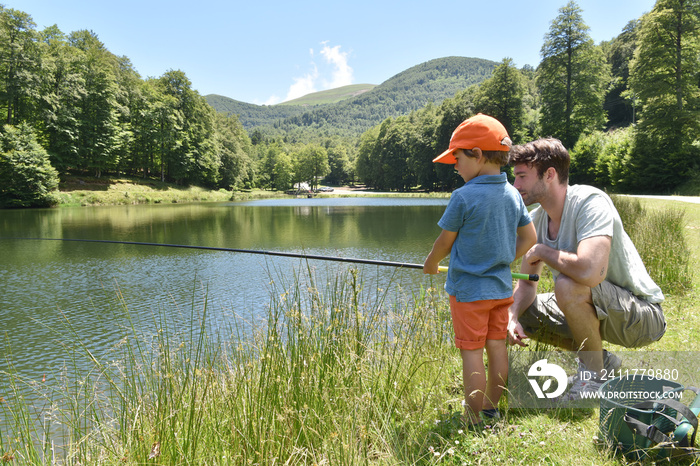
pixel 520 276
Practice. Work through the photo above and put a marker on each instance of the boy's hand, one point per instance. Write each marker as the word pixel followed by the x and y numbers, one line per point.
pixel 441 249
pixel 430 268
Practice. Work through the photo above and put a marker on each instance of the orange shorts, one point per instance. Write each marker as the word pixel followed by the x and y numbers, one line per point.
pixel 478 321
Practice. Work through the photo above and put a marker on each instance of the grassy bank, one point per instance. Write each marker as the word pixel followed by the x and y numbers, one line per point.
pixel 90 191
pixel 336 375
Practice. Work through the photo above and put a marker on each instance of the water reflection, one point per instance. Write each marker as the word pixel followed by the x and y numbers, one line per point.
pixel 44 284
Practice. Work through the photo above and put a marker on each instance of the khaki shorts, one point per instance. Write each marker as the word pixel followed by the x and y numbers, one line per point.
pixel 625 319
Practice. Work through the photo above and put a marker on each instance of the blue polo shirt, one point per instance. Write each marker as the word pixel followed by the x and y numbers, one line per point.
pixel 486 213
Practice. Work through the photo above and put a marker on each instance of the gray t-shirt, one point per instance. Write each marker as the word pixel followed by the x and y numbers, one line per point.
pixel 589 212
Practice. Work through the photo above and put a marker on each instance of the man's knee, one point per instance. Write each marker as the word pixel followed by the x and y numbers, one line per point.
pixel 570 294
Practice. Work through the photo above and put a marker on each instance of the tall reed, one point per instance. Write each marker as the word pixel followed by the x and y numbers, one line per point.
pixel 659 236
pixel 338 374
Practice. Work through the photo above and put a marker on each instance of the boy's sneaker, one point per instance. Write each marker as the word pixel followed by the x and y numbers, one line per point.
pixel 490 416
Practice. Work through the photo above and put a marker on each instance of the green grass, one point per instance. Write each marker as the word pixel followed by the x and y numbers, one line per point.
pixel 335 375
pixel 331 96
pixel 90 191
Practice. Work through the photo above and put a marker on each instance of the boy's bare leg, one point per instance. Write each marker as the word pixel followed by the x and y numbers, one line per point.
pixel 497 354
pixel 474 377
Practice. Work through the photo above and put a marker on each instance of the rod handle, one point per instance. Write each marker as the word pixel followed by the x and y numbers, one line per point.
pixel 533 277
pixel 518 276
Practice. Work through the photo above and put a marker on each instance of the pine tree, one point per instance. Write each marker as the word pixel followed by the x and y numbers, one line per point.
pixel 572 77
pixel 664 77
pixel 501 96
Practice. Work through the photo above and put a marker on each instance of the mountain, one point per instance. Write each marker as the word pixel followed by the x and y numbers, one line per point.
pixel 251 115
pixel 432 81
pixel 331 96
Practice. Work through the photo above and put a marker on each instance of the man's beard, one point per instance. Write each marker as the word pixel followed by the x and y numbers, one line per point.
pixel 535 194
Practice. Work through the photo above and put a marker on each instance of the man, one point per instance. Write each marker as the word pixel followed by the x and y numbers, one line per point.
pixel 602 290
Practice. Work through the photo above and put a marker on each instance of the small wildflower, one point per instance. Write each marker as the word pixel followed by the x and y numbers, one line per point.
pixel 155 451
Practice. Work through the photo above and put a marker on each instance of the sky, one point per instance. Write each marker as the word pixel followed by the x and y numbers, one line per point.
pixel 266 52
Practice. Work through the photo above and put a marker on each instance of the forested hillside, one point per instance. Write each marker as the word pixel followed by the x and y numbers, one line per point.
pixel 627 109
pixel 433 81
pixel 251 115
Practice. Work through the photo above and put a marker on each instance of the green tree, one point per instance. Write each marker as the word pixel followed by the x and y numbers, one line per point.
pixel 63 88
pixel 584 156
pixel 312 164
pixel 19 65
pixel 529 129
pixel 664 77
pixel 283 172
pixel 619 105
pixel 128 97
pixel 501 96
pixel 339 164
pixel 394 145
pixel 233 145
pixel 268 170
pixel 99 132
pixel 614 167
pixel 146 127
pixel 190 156
pixel 367 164
pixel 451 113
pixel 422 147
pixel 572 77
pixel 27 178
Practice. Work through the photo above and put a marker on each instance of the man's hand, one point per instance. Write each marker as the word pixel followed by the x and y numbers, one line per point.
pixel 516 334
pixel 587 266
pixel 532 256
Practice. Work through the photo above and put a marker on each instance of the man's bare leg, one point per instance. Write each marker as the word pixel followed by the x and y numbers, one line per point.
pixel 576 303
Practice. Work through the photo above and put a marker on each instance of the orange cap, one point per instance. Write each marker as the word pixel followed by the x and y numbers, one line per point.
pixel 480 131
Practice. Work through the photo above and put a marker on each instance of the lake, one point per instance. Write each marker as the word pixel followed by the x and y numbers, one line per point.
pixel 54 293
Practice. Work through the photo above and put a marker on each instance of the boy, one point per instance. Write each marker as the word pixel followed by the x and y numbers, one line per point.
pixel 485 227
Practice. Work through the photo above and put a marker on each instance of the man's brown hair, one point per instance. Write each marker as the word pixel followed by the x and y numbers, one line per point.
pixel 543 154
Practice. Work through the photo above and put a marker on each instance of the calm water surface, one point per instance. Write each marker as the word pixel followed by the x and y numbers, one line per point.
pixel 46 284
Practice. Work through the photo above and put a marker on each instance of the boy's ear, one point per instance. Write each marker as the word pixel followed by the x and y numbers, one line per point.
pixel 476 152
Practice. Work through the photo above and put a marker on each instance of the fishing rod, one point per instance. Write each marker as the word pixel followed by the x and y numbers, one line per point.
pixel 442 268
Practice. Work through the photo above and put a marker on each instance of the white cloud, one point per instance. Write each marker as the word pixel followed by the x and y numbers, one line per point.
pixel 271 101
pixel 342 73
pixel 303 85
pixel 334 72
